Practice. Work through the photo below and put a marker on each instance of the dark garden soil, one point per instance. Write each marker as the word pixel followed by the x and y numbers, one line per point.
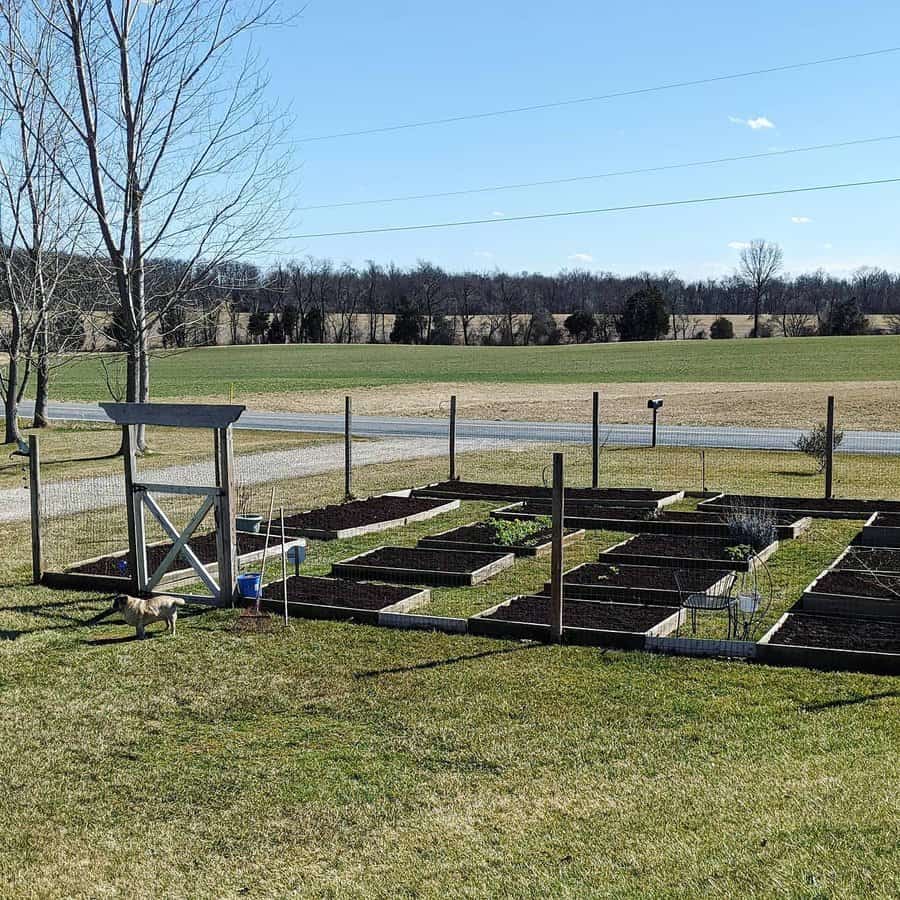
pixel 864 507
pixel 339 592
pixel 677 547
pixel 872 559
pixel 584 614
pixel 359 513
pixel 204 547
pixel 422 559
pixel 860 584
pixel 474 490
pixel 589 510
pixel 887 520
pixel 646 577
pixel 840 634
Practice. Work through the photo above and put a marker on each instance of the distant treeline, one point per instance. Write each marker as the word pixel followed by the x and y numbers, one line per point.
pixel 316 301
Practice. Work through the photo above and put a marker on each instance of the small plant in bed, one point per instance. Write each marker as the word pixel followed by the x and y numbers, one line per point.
pixel 520 532
pixel 739 552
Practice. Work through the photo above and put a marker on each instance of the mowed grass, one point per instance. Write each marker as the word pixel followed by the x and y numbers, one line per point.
pixel 333 760
pixel 282 369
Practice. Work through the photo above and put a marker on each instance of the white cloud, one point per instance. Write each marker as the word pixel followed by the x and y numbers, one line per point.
pixel 757 124
pixel 484 254
pixel 497 214
pixel 828 246
pixel 738 245
pixel 581 257
pixel 801 220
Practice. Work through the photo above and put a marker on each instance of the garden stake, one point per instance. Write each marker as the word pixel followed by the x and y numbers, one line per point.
pixel 284 590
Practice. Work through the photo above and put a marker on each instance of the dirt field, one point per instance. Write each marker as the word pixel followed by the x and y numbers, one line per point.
pixel 860 404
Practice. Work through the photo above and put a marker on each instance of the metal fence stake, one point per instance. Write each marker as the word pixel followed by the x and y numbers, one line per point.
pixel 556 560
pixel 829 451
pixel 595 443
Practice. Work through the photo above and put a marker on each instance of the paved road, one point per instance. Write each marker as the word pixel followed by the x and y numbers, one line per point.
pixel 521 432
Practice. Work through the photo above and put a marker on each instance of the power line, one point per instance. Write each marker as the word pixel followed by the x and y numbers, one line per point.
pixel 590 212
pixel 634 92
pixel 614 174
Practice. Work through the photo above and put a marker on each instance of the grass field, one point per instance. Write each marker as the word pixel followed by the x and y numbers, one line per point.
pixel 332 760
pixel 272 370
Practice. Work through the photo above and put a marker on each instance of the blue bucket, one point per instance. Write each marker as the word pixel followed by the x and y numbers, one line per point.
pixel 248 586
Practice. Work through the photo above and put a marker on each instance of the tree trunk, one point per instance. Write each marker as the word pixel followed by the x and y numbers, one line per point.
pixel 11 403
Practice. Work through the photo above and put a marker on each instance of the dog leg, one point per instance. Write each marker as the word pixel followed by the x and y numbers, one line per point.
pixel 141 633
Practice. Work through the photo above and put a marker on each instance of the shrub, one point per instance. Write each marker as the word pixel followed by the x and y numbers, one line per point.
pixel 751 526
pixel 721 329
pixel 582 326
pixel 815 444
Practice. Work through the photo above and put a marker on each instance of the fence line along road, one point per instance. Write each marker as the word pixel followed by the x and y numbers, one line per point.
pixel 722 437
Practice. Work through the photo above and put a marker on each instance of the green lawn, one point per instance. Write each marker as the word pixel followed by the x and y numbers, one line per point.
pixel 262 370
pixel 332 760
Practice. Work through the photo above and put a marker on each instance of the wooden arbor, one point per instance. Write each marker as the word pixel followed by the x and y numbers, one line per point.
pixel 218 497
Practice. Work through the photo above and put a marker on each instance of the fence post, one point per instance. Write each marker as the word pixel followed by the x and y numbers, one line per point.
pixel 829 451
pixel 34 486
pixel 134 505
pixel 595 443
pixel 556 559
pixel 348 448
pixel 228 565
pixel 453 475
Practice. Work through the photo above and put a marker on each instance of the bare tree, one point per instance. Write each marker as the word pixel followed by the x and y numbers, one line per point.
pixel 39 230
pixel 760 264
pixel 171 143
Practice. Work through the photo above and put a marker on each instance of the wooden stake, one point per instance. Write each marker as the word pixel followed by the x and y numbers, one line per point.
pixel 595 443
pixel 556 559
pixel 262 569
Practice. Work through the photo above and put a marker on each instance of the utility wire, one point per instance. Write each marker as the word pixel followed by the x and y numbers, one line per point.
pixel 590 212
pixel 614 174
pixel 670 86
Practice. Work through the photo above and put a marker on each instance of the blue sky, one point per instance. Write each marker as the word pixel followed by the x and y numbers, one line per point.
pixel 347 66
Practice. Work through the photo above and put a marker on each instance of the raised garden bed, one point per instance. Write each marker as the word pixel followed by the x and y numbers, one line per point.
pixel 477 490
pixel 832 642
pixel 678 552
pixel 112 572
pixel 482 536
pixel 817 507
pixel 636 584
pixel 347 520
pixel 598 517
pixel 881 530
pixel 336 598
pixel 853 593
pixel 404 565
pixel 870 559
pixel 621 625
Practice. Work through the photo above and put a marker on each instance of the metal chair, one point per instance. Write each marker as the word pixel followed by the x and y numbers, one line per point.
pixel 716 598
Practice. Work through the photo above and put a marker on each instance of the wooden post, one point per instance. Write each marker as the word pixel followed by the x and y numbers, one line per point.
pixel 137 543
pixel 34 485
pixel 453 475
pixel 829 451
pixel 556 559
pixel 653 437
pixel 226 512
pixel 595 443
pixel 348 448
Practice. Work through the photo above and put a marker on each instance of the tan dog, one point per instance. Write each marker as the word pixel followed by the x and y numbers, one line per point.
pixel 142 611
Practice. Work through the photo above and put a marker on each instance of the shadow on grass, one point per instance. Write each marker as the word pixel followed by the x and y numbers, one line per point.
pixel 849 701
pixel 437 663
